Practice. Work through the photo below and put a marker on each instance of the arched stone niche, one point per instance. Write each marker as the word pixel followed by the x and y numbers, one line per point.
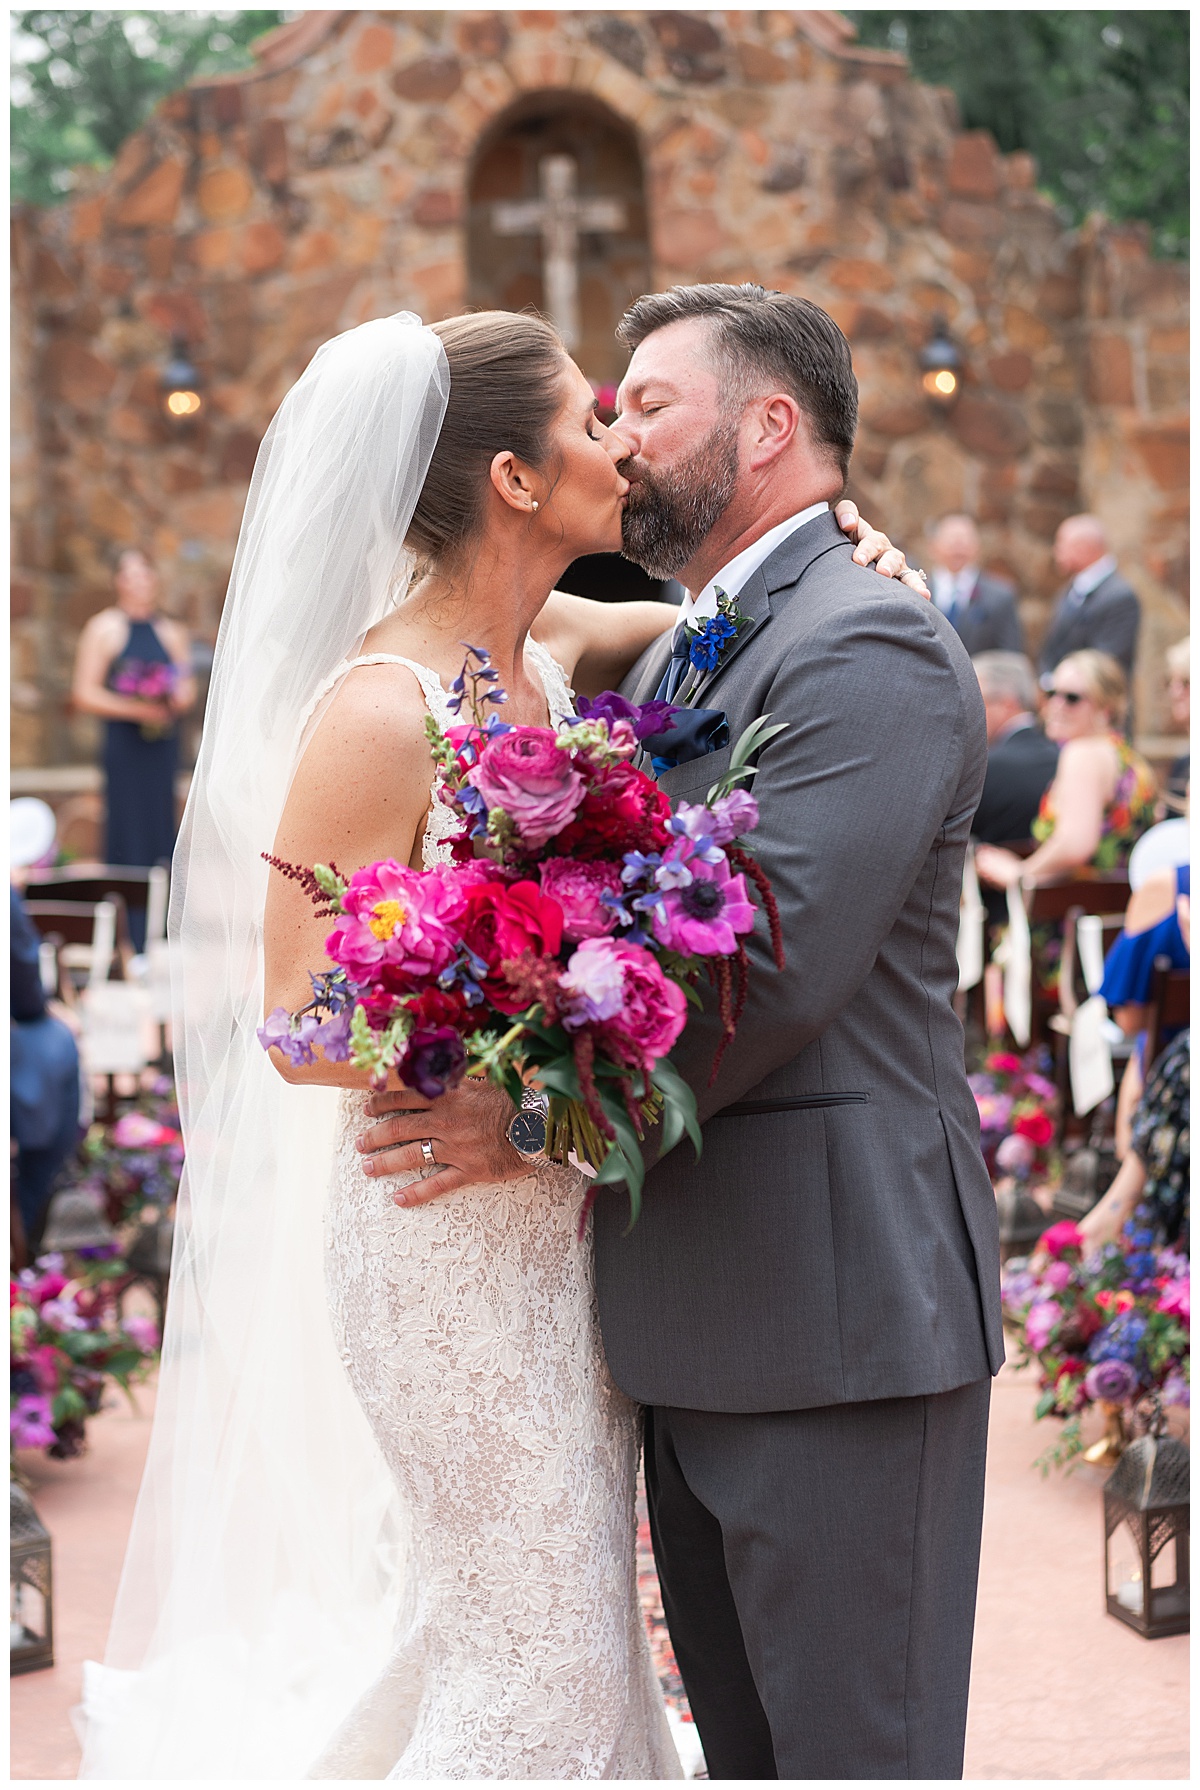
pixel 507 270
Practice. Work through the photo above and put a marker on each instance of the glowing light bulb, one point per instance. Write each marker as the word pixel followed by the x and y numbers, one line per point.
pixel 183 404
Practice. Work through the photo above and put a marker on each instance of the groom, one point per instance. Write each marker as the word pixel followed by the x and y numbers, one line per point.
pixel 810 1314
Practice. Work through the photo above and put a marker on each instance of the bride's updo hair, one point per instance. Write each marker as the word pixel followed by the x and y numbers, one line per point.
pixel 506 389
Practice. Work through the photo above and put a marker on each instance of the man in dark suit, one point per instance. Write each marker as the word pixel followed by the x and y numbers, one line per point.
pixel 1021 760
pixel 1098 608
pixel 809 1313
pixel 980 608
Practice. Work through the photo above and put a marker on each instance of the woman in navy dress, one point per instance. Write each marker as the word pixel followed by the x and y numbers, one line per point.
pixel 132 668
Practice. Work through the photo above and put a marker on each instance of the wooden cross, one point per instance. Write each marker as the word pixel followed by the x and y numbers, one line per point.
pixel 559 215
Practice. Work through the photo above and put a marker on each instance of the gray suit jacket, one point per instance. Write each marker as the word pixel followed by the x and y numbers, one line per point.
pixel 838 1239
pixel 1107 619
pixel 989 622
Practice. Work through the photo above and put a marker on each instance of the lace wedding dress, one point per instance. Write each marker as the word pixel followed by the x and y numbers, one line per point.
pixel 468 1330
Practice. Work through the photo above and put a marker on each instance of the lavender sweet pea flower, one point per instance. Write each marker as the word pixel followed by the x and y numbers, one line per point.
pixel 1175 1390
pixel 593 983
pixel 296 1044
pixel 334 1037
pixel 1114 1381
pixel 733 815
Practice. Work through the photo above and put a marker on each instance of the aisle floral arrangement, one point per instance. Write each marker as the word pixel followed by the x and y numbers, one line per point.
pixel 137 1161
pixel 1017 1105
pixel 67 1339
pixel 565 941
pixel 1110 1328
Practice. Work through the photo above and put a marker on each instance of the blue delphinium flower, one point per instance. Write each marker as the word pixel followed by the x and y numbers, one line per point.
pixel 709 641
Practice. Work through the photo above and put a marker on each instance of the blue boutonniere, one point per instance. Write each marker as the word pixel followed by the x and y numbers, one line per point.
pixel 710 640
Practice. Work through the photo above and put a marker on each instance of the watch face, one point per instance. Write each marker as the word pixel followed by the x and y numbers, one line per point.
pixel 527 1133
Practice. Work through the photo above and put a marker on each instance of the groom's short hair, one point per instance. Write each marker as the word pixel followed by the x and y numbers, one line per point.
pixel 773 335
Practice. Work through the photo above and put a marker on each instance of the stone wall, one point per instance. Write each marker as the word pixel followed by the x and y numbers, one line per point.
pixel 257 215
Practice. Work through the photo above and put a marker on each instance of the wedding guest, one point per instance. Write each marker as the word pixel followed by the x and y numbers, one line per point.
pixel 1156 1170
pixel 1098 608
pixel 132 668
pixel 43 1055
pixel 1021 760
pixel 981 608
pixel 1153 929
pixel 1179 700
pixel 1101 801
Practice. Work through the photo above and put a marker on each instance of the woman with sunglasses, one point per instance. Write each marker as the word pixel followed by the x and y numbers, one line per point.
pixel 1102 798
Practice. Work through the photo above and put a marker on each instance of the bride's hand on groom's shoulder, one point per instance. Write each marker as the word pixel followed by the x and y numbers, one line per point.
pixel 874 548
pixel 466 1130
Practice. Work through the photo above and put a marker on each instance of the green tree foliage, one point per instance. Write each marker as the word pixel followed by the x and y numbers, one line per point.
pixel 82 81
pixel 1100 98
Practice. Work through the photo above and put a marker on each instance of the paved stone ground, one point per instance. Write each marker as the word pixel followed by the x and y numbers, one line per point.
pixel 1060 1691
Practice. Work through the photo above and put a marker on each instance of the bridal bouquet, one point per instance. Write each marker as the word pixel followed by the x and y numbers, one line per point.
pixel 563 943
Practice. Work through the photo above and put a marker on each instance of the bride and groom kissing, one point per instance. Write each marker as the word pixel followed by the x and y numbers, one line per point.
pixel 406 1549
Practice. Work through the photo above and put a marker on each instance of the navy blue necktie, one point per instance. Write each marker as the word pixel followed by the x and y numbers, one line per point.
pixel 677 664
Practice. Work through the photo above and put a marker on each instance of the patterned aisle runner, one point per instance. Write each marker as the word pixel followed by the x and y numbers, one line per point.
pixel 683 1728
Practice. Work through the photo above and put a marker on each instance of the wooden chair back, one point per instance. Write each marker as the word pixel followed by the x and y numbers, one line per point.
pixel 90 936
pixel 1170 1006
pixel 136 888
pixel 1105 894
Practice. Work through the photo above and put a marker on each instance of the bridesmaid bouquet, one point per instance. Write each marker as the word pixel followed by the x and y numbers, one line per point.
pixel 562 945
pixel 150 679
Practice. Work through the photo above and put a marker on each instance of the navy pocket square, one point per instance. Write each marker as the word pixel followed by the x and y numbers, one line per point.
pixel 695 733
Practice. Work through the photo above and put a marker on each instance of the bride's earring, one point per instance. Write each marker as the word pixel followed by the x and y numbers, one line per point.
pixel 534 504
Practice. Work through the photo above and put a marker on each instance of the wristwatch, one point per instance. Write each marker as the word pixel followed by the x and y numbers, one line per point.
pixel 527 1129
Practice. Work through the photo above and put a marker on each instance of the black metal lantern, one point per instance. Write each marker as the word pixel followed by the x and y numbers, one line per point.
pixel 941 365
pixel 31 1602
pixel 1146 1531
pixel 74 1222
pixel 182 386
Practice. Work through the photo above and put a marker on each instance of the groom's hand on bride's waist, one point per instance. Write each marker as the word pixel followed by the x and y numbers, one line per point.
pixel 466 1133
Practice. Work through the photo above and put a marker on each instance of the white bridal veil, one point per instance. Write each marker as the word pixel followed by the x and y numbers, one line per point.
pixel 259 1588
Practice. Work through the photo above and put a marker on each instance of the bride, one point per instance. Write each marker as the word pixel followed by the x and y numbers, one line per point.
pixel 387 1524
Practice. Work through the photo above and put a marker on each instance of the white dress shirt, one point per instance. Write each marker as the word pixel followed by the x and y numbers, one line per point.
pixel 1085 582
pixel 734 577
pixel 948 589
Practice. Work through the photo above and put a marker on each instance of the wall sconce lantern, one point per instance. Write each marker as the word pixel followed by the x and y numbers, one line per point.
pixel 1146 1530
pixel 181 386
pixel 941 365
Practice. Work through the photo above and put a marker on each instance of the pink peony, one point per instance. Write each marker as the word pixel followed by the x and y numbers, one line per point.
pixel 1040 1322
pixel 653 1011
pixel 397 918
pixel 1061 1237
pixel 532 779
pixel 637 1010
pixel 1176 1300
pixel 702 917
pixel 1057 1276
pixel 577 888
pixel 1002 1062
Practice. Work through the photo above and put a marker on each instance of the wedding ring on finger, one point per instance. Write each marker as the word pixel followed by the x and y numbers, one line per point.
pixel 427 1152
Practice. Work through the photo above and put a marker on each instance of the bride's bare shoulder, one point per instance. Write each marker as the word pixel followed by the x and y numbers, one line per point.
pixel 371 728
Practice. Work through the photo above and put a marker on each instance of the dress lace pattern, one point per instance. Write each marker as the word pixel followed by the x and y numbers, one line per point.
pixel 468 1329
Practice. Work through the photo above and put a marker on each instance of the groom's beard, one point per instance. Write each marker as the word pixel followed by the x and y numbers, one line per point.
pixel 668 514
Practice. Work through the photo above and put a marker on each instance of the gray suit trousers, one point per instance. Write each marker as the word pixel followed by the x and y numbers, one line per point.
pixel 818 1572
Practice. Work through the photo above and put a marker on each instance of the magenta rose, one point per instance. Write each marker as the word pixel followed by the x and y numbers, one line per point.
pixel 397 919
pixel 532 779
pixel 577 888
pixel 653 1008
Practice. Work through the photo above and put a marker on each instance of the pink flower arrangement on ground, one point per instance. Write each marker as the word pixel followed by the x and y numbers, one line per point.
pixel 561 944
pixel 67 1338
pixel 1017 1106
pixel 1111 1327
